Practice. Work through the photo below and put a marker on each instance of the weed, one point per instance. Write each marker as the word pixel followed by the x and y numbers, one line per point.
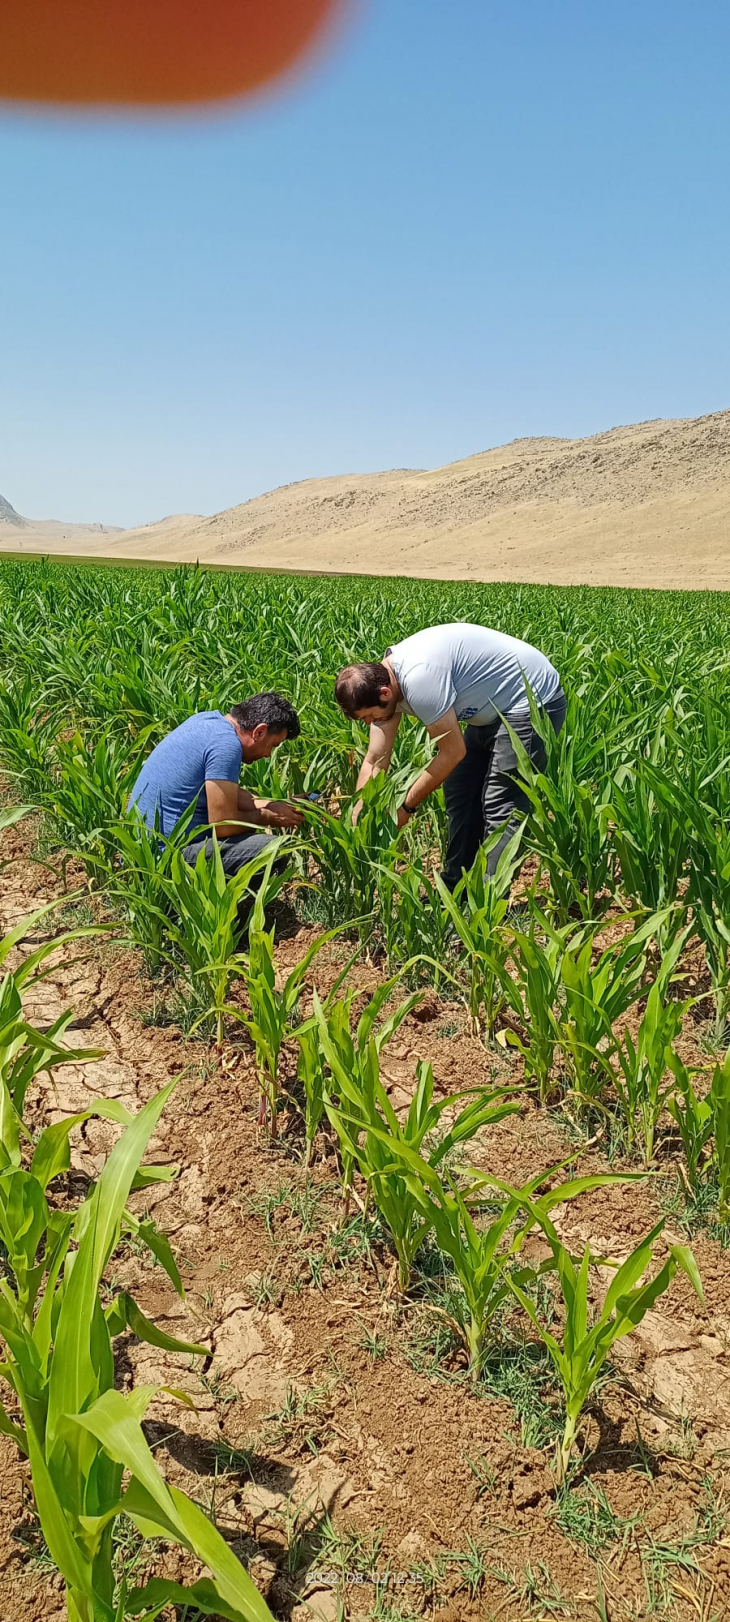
pixel 485 1478
pixel 585 1516
pixel 371 1342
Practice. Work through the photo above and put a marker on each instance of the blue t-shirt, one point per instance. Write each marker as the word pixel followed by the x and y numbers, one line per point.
pixel 205 746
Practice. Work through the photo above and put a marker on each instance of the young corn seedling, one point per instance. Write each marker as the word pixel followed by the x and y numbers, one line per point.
pixel 535 993
pixel 26 1052
pixel 643 1065
pixel 206 935
pixel 579 1359
pixel 570 819
pixel 273 1009
pixel 413 918
pixel 89 794
pixel 477 911
pixel 311 1066
pixel 483 1257
pixel 310 1075
pixel 650 842
pixel 720 1107
pixel 89 1459
pixel 355 1053
pixel 141 883
pixel 350 847
pixel 368 1128
pixel 596 995
pixel 27 732
pixel 708 888
pixel 693 1117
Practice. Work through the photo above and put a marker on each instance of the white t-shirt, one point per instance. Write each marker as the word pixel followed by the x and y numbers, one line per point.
pixel 478 672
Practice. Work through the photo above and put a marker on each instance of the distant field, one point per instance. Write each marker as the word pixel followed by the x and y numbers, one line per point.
pixel 125 646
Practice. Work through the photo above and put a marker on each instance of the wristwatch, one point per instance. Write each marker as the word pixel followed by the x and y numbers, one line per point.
pixel 409 809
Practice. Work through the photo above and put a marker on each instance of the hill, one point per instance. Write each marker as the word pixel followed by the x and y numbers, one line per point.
pixel 645 505
pixel 18 534
pixel 8 515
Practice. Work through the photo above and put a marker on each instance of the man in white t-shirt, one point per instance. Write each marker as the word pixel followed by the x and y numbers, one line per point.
pixel 447 676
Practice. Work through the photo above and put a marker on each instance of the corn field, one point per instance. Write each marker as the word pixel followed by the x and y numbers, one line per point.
pixel 583 965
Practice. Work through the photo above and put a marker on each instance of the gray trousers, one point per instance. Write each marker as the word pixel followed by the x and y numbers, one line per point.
pixel 235 851
pixel 480 793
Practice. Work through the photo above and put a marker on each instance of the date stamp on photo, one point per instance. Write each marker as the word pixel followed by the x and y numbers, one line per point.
pixel 328 1578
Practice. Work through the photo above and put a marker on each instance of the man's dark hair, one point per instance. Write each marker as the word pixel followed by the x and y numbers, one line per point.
pixel 358 687
pixel 269 710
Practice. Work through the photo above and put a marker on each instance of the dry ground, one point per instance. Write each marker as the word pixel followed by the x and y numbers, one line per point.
pixel 644 505
pixel 326 1396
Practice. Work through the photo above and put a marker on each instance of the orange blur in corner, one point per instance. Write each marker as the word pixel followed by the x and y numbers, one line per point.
pixel 151 52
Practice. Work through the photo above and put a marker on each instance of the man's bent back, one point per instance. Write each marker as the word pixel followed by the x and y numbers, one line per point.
pixel 204 748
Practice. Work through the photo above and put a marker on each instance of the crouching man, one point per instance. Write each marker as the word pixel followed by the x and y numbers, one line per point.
pixel 201 761
pixel 447 676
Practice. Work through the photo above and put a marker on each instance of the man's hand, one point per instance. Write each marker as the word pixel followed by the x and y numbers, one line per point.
pixel 403 818
pixel 279 814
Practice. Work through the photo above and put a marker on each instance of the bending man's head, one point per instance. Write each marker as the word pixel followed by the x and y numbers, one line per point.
pixel 367 692
pixel 262 722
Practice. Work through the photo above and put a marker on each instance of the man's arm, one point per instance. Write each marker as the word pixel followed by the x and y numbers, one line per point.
pixel 379 750
pixel 225 811
pixel 450 749
pixel 229 806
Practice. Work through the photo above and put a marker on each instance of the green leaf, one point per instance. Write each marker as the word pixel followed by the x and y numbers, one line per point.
pixel 109 1419
pixel 52 1155
pixel 203 1596
pixel 125 1314
pixel 685 1260
pixel 74 1373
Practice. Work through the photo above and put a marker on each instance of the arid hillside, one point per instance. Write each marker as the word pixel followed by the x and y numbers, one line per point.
pixel 645 505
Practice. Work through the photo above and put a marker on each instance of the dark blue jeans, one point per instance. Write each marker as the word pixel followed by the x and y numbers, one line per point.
pixel 235 851
pixel 480 793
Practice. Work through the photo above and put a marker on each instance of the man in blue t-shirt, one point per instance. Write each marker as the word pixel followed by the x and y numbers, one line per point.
pixel 200 761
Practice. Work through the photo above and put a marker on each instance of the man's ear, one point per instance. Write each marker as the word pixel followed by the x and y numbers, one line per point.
pixel 386 694
pixel 259 733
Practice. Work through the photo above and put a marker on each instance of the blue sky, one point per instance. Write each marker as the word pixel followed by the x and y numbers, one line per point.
pixel 470 221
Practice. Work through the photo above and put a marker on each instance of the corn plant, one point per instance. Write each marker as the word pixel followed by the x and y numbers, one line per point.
pixel 693 1118
pixel 206 932
pixel 708 850
pixel 350 847
pixel 139 880
pixel 570 818
pixel 26 1052
pixel 368 1127
pixel 356 1051
pixel 535 994
pixel 310 1075
pixel 414 921
pixel 596 995
pixel 273 1009
pixel 27 732
pixel 88 794
pixel 484 1258
pixel 643 1092
pixel 579 1359
pixel 477 911
pixel 89 1459
pixel 650 843
pixel 720 1107
pixel 311 1066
